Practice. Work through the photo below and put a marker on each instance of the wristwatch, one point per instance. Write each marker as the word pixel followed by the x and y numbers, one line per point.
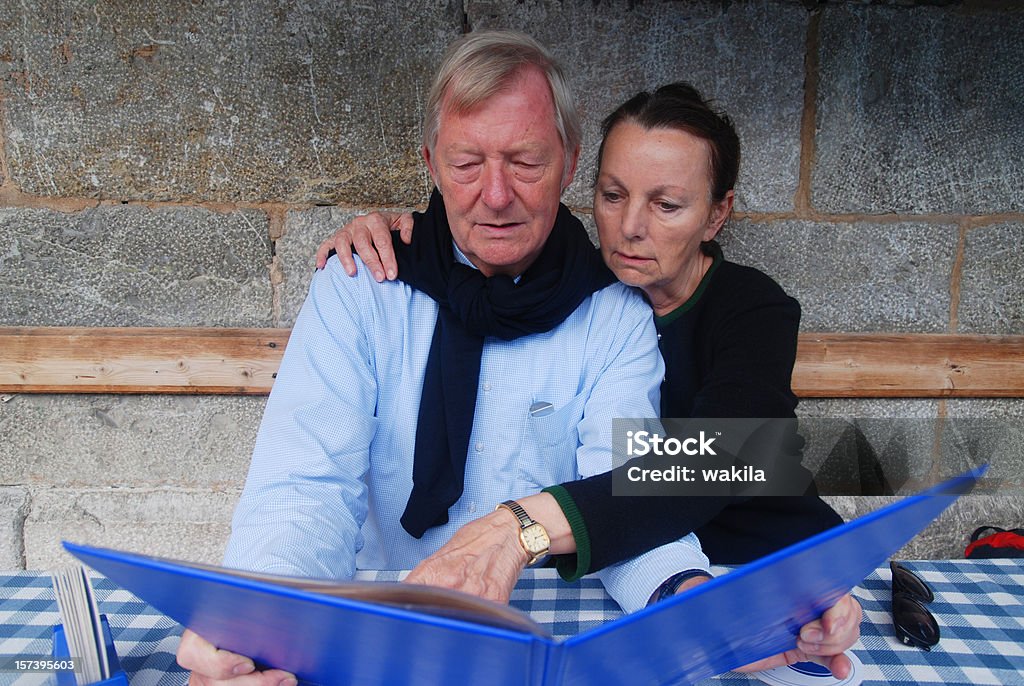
pixel 532 535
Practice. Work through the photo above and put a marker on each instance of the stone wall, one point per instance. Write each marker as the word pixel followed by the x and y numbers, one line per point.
pixel 175 163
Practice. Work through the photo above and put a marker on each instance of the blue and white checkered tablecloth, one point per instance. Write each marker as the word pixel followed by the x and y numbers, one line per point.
pixel 979 606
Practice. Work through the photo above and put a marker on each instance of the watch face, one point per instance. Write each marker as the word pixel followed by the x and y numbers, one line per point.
pixel 535 539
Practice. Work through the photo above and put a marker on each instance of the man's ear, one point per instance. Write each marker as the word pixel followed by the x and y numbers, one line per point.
pixel 720 211
pixel 430 165
pixel 570 171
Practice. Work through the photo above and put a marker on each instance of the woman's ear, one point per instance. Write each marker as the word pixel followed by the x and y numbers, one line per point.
pixel 720 211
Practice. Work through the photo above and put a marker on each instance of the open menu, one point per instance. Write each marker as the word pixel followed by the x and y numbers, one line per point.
pixel 431 600
pixel 348 634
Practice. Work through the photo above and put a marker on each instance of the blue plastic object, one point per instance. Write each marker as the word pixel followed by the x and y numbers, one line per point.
pixel 745 615
pixel 60 649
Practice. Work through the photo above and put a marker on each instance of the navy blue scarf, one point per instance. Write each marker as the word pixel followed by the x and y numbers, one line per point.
pixel 470 308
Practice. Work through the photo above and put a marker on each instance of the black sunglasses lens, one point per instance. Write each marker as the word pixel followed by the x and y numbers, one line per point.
pixel 914 624
pixel 905 581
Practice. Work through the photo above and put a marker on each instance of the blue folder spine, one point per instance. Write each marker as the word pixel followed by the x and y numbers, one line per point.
pixel 554 665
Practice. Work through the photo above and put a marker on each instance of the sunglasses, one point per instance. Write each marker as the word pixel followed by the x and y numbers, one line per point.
pixel 914 624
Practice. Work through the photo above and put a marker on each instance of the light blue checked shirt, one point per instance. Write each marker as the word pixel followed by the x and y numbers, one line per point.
pixel 332 468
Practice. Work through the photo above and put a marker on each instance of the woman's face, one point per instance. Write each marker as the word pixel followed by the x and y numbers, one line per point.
pixel 653 207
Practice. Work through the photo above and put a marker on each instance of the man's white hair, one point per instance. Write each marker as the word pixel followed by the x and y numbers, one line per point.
pixel 481 64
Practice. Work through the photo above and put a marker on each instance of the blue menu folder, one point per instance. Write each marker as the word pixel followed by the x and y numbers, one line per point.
pixel 747 614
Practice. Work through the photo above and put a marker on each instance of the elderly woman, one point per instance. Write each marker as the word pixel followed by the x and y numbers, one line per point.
pixel 664 189
pixel 728 333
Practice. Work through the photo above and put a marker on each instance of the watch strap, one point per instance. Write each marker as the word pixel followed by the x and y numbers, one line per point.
pixel 517 509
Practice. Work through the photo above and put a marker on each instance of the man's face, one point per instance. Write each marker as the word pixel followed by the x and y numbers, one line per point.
pixel 501 170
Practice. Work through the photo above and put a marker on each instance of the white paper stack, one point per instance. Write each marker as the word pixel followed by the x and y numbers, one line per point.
pixel 83 631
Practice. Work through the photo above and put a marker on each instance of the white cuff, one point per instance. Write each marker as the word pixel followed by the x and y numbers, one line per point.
pixel 631 583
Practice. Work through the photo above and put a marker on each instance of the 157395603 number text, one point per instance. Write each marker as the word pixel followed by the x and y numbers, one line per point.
pixel 36 663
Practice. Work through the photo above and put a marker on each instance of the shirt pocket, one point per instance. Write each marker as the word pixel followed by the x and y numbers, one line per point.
pixel 549 445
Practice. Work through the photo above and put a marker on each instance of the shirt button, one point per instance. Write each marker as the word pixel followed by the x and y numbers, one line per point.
pixel 487 387
pixel 471 507
pixel 479 447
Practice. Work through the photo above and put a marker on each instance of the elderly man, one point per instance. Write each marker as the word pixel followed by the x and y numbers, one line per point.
pixel 400 415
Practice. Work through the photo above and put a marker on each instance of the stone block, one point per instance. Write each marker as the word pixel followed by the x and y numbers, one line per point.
pixel 869 446
pixel 748 57
pixel 992 287
pixel 854 277
pixel 844 505
pixel 14 505
pixel 120 441
pixel 285 101
pixel 304 231
pixel 987 430
pixel 183 524
pixel 918 110
pixel 134 266
pixel 947 536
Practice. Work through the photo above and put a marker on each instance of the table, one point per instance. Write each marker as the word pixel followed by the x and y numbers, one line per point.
pixel 979 605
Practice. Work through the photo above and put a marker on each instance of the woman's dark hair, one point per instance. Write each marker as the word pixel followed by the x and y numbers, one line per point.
pixel 681 106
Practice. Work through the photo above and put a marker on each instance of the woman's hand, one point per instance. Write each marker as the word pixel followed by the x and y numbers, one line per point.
pixel 823 641
pixel 370 237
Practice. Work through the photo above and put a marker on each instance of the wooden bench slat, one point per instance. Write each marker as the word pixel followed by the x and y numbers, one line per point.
pixel 140 360
pixel 244 362
pixel 836 365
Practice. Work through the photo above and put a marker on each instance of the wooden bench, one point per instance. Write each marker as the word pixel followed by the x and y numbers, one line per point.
pixel 244 362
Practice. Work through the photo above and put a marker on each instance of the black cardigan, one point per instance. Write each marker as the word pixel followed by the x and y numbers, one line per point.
pixel 729 352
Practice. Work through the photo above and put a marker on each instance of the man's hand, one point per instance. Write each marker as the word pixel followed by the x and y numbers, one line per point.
pixel 211 666
pixel 370 236
pixel 483 558
pixel 823 641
